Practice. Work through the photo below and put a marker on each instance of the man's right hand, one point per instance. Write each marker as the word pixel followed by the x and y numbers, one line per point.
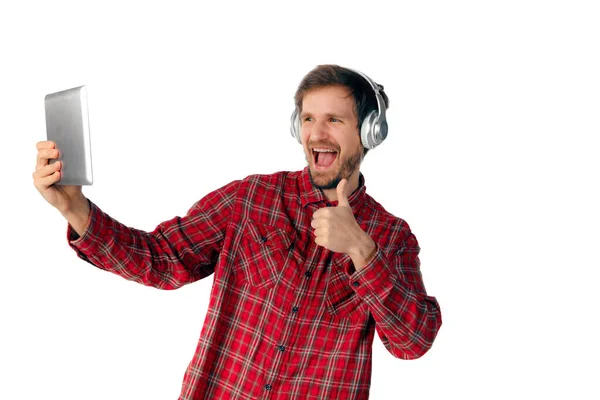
pixel 69 200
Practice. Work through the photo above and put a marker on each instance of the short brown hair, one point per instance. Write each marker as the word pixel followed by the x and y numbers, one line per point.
pixel 332 75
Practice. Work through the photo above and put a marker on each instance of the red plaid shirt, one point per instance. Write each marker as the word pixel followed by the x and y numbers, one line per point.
pixel 287 319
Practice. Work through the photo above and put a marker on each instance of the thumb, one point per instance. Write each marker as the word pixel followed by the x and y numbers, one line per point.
pixel 341 193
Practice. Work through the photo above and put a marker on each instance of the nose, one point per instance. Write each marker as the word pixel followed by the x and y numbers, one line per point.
pixel 318 131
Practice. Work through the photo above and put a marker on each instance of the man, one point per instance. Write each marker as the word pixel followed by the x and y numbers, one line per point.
pixel 306 265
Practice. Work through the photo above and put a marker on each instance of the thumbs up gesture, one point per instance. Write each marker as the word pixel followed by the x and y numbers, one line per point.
pixel 336 229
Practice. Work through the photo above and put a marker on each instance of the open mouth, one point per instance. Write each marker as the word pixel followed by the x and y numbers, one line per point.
pixel 324 157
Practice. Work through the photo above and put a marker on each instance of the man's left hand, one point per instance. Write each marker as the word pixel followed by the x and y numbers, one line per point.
pixel 336 229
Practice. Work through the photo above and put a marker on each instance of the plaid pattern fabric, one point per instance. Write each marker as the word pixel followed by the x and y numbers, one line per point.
pixel 287 319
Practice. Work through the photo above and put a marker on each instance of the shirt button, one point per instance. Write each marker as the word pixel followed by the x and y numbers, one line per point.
pixel 281 348
pixel 295 309
pixel 263 239
pixel 268 387
pixel 307 274
pixel 355 283
pixel 328 204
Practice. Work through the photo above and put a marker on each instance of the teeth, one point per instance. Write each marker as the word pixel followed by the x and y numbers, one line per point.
pixel 324 150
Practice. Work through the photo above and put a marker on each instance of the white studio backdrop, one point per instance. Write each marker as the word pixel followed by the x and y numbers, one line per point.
pixel 491 158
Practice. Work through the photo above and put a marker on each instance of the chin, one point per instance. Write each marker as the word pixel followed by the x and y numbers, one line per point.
pixel 324 181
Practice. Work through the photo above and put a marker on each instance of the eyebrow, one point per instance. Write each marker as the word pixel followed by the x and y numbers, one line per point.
pixel 328 115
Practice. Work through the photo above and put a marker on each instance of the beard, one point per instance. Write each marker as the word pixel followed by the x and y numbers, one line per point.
pixel 330 180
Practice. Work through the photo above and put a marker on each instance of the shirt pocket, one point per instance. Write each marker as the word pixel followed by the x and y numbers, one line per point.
pixel 342 301
pixel 263 253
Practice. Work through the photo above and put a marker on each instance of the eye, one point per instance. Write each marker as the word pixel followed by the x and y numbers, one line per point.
pixel 307 119
pixel 334 119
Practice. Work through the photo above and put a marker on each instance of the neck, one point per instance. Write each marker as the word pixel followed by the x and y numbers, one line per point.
pixel 331 194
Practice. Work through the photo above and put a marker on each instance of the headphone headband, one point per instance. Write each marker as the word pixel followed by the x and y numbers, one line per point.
pixel 377 89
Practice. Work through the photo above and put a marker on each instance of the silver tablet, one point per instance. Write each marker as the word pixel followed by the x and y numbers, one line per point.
pixel 67 125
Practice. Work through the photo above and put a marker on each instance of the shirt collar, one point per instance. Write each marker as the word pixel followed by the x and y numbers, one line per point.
pixel 310 194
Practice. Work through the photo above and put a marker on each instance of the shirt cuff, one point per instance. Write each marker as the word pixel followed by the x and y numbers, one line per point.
pixel 95 233
pixel 374 279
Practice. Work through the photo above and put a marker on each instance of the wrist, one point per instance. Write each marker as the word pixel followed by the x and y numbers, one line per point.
pixel 77 214
pixel 364 251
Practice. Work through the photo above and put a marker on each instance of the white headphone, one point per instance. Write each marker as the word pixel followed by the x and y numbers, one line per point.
pixel 374 128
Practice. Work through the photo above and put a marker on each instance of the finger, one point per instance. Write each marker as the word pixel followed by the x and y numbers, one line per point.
pixel 317 214
pixel 320 232
pixel 44 183
pixel 322 241
pixel 322 213
pixel 46 144
pixel 341 193
pixel 44 155
pixel 319 241
pixel 320 223
pixel 46 170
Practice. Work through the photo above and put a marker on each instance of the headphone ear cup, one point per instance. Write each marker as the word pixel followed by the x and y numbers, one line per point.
pixel 373 132
pixel 367 131
pixel 383 131
pixel 295 126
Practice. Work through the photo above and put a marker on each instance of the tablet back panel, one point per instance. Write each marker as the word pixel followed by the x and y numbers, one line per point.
pixel 67 124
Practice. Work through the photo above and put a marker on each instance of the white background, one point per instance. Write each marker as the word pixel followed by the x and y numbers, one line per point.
pixel 492 158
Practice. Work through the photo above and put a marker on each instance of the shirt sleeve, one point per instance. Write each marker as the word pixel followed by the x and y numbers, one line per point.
pixel 407 319
pixel 179 251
